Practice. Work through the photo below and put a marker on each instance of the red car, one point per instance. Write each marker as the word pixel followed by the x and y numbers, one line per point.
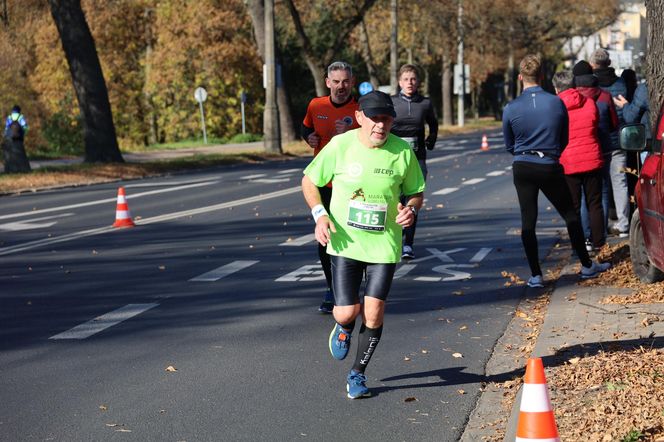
pixel 646 235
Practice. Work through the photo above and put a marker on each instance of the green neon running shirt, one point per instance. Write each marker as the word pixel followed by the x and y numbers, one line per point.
pixel 366 184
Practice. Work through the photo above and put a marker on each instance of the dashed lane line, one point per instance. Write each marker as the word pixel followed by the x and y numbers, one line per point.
pixel 445 191
pixel 223 271
pixel 103 322
pixel 472 181
pixel 302 240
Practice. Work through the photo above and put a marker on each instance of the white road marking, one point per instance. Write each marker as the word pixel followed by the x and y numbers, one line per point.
pixel 445 191
pixel 455 275
pixel 272 180
pixel 166 217
pixel 30 224
pixel 103 322
pixel 479 256
pixel 105 201
pixel 516 231
pixel 428 278
pixel 302 240
pixel 223 271
pixel 304 273
pixel 435 253
pixel 166 183
pixel 472 181
pixel 403 270
pixel 447 157
pixel 496 173
pixel 290 171
pixel 253 177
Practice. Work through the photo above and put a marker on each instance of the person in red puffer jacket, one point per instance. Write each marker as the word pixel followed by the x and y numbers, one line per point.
pixel 582 158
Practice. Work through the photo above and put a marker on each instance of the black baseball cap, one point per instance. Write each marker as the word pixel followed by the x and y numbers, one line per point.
pixel 376 103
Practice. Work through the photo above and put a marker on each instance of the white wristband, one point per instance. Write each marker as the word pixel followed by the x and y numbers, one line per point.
pixel 318 211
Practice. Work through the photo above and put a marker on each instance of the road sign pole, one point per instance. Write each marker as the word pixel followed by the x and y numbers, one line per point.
pixel 243 126
pixel 200 105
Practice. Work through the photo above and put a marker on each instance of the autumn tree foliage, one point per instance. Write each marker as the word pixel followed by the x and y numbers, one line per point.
pixel 154 53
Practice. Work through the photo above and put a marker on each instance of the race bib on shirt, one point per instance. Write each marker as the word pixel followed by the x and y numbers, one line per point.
pixel 367 216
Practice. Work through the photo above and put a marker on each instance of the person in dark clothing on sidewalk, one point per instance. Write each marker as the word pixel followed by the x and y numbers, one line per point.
pixel 413 112
pixel 582 158
pixel 614 85
pixel 535 129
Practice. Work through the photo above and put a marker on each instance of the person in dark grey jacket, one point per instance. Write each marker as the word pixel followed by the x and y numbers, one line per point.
pixel 414 112
pixel 610 82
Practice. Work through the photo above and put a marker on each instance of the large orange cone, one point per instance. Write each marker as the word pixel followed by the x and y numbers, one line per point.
pixel 536 420
pixel 122 215
pixel 485 143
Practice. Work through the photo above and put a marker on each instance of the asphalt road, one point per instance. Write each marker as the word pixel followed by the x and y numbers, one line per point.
pixel 220 280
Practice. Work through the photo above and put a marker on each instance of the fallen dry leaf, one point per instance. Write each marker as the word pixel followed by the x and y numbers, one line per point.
pixel 457 355
pixel 171 368
pixel 410 399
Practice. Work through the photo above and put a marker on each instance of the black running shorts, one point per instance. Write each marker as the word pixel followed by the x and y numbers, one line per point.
pixel 347 277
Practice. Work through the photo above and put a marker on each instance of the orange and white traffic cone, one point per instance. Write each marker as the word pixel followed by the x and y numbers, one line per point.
pixel 536 420
pixel 485 143
pixel 122 215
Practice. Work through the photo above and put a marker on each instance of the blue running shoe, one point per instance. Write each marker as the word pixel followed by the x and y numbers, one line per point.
pixel 356 385
pixel 339 342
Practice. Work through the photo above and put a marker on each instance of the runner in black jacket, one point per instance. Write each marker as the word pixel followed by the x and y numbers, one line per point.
pixel 413 112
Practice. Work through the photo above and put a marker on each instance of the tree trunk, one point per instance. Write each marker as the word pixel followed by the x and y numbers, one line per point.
pixel 148 103
pixel 16 161
pixel 654 67
pixel 394 45
pixel 447 91
pixel 256 12
pixel 367 57
pixel 101 144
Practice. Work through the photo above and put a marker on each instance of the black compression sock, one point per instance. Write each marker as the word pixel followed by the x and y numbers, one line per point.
pixel 368 341
pixel 348 327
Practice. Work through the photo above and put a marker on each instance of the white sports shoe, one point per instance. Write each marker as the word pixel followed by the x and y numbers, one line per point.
pixel 536 281
pixel 594 270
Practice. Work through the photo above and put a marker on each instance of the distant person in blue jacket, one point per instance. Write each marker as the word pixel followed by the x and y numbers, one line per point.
pixel 536 130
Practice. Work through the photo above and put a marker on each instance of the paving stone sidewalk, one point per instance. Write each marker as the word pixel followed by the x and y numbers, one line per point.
pixel 575 321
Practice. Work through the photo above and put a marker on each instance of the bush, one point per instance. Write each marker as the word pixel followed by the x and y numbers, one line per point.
pixel 245 138
pixel 64 134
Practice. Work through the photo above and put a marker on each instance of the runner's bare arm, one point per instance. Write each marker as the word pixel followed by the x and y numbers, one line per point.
pixel 323 223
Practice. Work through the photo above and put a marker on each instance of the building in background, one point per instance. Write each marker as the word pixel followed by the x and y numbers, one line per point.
pixel 625 39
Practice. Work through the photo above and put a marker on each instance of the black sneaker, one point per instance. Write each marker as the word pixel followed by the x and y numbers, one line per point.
pixel 326 307
pixel 328 302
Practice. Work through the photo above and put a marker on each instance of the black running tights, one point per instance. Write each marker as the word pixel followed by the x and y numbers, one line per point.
pixel 529 179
